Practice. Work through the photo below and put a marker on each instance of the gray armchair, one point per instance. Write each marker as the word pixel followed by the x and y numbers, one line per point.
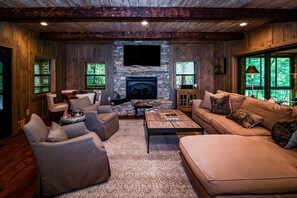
pixel 64 166
pixel 100 119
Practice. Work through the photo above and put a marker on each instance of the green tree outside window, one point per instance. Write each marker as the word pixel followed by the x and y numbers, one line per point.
pixel 95 75
pixel 42 75
pixel 185 73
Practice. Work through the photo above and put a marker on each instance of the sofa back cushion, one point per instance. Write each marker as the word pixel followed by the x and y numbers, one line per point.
pixel 236 100
pixel 270 112
pixel 80 103
pixel 35 130
pixel 206 104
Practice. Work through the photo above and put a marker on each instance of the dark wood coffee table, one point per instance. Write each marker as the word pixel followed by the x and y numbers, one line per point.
pixel 168 122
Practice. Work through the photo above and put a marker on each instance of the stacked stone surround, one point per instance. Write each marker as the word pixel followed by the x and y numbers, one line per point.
pixel 127 108
pixel 121 72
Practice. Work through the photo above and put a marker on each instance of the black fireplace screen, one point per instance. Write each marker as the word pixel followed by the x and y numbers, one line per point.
pixel 141 87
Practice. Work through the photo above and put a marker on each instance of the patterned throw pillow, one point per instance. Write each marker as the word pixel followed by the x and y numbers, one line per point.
pixel 248 120
pixel 285 134
pixel 220 105
pixel 56 133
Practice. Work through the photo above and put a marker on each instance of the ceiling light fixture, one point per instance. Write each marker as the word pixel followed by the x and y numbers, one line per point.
pixel 144 23
pixel 43 23
pixel 243 24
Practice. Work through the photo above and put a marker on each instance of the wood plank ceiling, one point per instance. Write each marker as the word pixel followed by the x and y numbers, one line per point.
pixel 198 20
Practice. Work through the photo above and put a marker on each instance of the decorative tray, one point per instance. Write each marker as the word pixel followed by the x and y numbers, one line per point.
pixel 172 116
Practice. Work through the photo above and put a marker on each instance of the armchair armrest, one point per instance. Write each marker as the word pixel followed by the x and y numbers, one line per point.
pixel 196 103
pixel 76 129
pixel 105 109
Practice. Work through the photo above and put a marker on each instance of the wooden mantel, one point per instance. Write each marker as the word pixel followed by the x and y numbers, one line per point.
pixel 65 14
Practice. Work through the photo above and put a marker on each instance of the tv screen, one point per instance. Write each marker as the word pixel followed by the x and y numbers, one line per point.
pixel 144 55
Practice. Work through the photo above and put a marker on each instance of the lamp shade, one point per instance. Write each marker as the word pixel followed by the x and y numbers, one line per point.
pixel 252 70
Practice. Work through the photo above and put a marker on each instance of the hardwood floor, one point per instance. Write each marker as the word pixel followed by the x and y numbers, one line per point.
pixel 18 168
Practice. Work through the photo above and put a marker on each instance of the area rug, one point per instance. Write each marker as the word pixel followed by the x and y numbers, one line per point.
pixel 134 173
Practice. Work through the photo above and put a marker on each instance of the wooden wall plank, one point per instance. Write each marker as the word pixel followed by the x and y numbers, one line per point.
pixel 25 45
pixel 267 38
pixel 78 54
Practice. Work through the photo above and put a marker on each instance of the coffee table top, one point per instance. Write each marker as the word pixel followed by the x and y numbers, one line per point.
pixel 158 119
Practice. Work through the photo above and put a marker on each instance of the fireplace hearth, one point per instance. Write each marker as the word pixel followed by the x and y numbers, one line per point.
pixel 141 87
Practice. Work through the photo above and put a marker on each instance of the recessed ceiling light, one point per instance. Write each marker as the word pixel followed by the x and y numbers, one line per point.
pixel 144 23
pixel 243 24
pixel 43 23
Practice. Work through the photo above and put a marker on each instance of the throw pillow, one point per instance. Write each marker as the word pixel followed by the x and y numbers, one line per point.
pixel 248 120
pixel 220 105
pixel 56 133
pixel 285 133
pixel 206 99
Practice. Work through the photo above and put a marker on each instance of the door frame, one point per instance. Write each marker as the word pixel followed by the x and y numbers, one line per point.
pixel 14 107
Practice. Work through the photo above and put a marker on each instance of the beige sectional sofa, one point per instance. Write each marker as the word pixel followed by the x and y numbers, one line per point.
pixel 234 161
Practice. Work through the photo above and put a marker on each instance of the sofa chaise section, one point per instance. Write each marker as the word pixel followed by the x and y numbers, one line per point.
pixel 233 165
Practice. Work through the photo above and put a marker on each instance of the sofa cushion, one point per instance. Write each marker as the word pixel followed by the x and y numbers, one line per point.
pixel 220 105
pixel 56 134
pixel 236 100
pixel 206 99
pixel 93 107
pixel 80 103
pixel 285 134
pixel 107 117
pixel 294 113
pixel 227 126
pixel 36 131
pixel 248 120
pixel 247 165
pixel 270 112
pixel 204 114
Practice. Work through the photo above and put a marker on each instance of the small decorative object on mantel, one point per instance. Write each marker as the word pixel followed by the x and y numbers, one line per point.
pixel 220 66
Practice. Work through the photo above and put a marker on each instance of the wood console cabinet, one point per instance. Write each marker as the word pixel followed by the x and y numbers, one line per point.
pixel 184 98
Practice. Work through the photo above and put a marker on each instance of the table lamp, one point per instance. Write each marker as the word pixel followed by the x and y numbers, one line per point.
pixel 252 70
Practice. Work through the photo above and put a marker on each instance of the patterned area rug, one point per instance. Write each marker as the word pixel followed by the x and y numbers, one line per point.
pixel 134 173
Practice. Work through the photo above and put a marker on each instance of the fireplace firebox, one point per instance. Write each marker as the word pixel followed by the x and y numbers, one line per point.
pixel 141 87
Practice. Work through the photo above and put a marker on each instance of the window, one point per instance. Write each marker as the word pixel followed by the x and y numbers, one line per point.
pixel 95 75
pixel 274 80
pixel 42 75
pixel 281 78
pixel 185 73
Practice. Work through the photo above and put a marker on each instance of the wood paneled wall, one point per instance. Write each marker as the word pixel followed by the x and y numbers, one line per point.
pixel 270 37
pixel 202 54
pixel 25 44
pixel 76 57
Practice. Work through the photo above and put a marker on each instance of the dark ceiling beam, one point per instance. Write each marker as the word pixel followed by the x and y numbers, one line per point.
pixel 65 14
pixel 198 36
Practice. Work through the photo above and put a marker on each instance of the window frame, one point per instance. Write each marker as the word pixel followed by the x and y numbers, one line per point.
pixel 49 75
pixel 88 75
pixel 267 86
pixel 176 75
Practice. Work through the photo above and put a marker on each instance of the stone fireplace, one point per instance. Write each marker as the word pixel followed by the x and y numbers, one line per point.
pixel 160 73
pixel 141 87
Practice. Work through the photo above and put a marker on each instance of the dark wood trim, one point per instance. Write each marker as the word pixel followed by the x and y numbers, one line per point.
pixel 63 14
pixel 203 36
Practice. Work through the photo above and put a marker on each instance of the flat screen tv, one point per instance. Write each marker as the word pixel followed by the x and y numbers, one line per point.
pixel 143 55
